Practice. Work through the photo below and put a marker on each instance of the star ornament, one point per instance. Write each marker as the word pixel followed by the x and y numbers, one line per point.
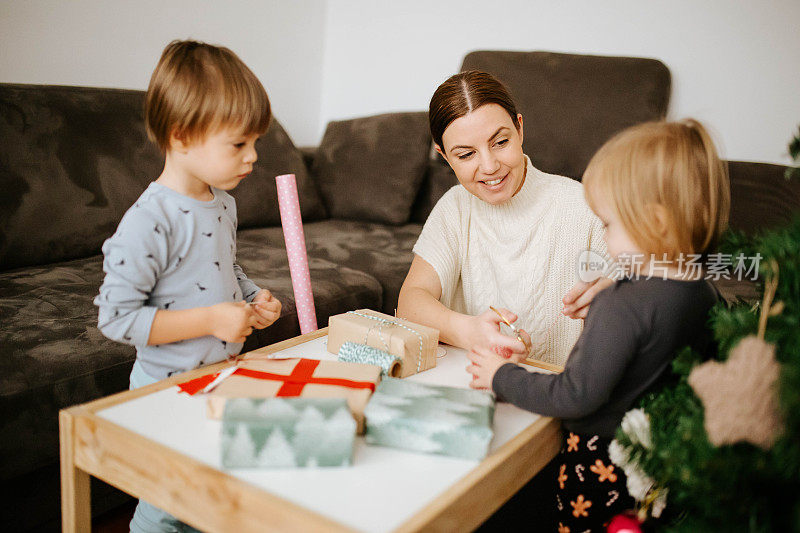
pixel 740 396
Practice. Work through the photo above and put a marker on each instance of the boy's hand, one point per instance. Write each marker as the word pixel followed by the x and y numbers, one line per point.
pixel 233 321
pixel 484 365
pixel 267 307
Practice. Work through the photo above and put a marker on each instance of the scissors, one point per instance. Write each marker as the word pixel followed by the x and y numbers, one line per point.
pixel 512 327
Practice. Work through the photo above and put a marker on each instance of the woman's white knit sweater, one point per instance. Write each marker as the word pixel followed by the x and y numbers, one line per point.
pixel 521 255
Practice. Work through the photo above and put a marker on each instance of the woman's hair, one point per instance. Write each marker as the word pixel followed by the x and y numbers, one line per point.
pixel 197 88
pixel 463 93
pixel 673 165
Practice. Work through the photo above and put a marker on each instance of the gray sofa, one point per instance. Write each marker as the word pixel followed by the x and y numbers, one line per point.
pixel 73 159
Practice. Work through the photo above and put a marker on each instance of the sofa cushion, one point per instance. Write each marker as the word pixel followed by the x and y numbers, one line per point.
pixel 52 355
pixel 383 252
pixel 571 104
pixel 371 168
pixel 72 160
pixel 761 199
pixel 761 196
pixel 336 288
pixel 439 178
pixel 257 195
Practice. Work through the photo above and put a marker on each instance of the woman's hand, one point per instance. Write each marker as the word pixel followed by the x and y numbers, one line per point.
pixel 577 300
pixel 483 366
pixel 419 302
pixel 268 308
pixel 483 331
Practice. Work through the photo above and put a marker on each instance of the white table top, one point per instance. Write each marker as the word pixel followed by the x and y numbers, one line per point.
pixel 383 488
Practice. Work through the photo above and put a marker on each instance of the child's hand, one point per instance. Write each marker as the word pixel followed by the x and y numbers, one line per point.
pixel 484 365
pixel 233 321
pixel 268 308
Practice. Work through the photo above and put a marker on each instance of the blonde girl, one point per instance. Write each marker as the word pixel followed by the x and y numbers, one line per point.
pixel 663 196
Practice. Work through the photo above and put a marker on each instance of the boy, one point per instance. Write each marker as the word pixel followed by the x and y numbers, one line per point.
pixel 172 287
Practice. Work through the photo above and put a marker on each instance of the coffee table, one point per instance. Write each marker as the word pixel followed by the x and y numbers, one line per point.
pixel 156 444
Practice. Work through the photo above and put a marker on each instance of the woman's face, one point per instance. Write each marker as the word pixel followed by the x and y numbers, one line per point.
pixel 484 148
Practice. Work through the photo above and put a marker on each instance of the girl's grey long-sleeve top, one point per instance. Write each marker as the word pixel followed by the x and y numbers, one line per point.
pixel 631 335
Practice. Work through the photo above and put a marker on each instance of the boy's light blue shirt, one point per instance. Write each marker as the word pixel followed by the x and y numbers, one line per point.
pixel 172 252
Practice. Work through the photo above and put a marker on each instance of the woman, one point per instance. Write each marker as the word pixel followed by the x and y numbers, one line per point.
pixel 509 236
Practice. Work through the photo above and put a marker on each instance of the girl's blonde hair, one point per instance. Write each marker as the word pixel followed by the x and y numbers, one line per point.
pixel 666 183
pixel 197 88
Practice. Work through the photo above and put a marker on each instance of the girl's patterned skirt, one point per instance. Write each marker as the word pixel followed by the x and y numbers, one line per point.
pixel 590 489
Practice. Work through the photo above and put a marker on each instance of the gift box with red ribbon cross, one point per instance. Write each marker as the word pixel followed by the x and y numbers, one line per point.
pixel 310 378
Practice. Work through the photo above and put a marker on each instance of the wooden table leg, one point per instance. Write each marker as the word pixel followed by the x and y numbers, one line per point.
pixel 76 516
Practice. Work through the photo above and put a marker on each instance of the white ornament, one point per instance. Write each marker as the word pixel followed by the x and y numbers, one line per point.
pixel 636 426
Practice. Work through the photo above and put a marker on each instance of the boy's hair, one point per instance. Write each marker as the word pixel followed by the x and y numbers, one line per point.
pixel 666 183
pixel 197 88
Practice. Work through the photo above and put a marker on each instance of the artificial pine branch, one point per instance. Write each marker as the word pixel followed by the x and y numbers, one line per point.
pixel 736 487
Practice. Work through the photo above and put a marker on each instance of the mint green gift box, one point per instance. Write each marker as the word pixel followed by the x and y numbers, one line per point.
pixel 430 418
pixel 287 432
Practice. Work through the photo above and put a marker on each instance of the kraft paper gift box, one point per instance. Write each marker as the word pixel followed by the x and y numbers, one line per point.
pixel 281 377
pixel 287 432
pixel 414 344
pixel 430 418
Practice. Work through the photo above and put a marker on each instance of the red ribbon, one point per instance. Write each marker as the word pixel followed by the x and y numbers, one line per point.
pixel 293 384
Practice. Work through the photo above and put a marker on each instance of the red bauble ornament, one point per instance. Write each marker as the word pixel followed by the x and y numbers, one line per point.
pixel 625 523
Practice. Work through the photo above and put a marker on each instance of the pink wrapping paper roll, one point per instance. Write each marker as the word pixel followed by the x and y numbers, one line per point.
pixel 292 223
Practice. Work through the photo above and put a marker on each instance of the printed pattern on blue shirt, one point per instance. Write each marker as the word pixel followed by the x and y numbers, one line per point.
pixel 171 252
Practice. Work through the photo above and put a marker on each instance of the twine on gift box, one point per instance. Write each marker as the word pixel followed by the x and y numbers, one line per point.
pixel 384 322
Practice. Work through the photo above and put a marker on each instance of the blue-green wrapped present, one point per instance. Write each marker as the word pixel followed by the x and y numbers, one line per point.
pixel 287 432
pixel 430 419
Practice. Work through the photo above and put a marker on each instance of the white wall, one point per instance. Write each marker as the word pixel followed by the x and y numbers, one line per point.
pixel 735 64
pixel 117 44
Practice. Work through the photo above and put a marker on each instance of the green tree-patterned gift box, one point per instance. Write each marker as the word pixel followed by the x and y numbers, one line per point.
pixel 430 418
pixel 287 432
